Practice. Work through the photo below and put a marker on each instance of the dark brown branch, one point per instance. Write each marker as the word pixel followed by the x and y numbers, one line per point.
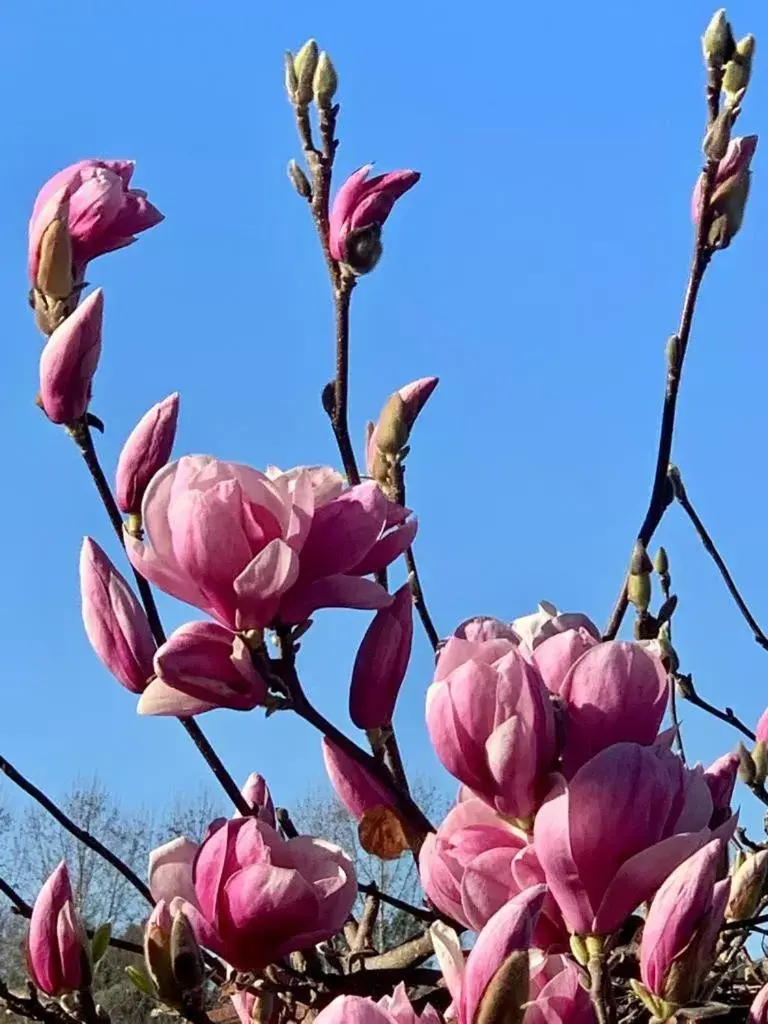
pixel 682 497
pixel 83 438
pixel 80 834
pixel 419 601
pixel 661 497
pixel 688 692
pixel 364 936
pixel 31 1008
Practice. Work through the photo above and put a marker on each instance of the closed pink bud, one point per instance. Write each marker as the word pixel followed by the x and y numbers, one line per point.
pixel 493 728
pixel 721 778
pixel 57 955
pixel 381 663
pixel 610 836
pixel 682 925
pixel 69 360
pixel 104 213
pixel 359 210
pixel 115 622
pixel 256 794
pixel 614 693
pixel 758 1011
pixel 145 452
pixel 355 787
pixel 210 664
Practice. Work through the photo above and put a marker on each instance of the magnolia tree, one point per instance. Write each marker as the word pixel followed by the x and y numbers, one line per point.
pixel 601 877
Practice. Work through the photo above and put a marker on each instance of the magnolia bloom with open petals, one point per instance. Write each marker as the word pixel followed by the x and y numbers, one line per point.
pixel 682 926
pixel 115 622
pixel 104 212
pixel 69 360
pixel 359 210
pixel 57 944
pixel 247 549
pixel 556 995
pixel 609 837
pixel 476 862
pixel 253 897
pixel 394 1009
pixel 145 452
pixel 509 931
pixel 493 728
pixel 202 666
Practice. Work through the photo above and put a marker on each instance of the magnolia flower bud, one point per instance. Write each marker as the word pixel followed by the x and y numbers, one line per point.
pixel 325 82
pixel 661 562
pixel 304 65
pixel 746 765
pixel 717 41
pixel 299 180
pixel 739 68
pixel 747 887
pixel 760 761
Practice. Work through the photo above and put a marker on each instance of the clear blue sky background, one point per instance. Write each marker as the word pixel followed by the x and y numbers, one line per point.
pixel 537 268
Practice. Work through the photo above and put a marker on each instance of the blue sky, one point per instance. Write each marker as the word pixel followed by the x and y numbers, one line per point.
pixel 537 268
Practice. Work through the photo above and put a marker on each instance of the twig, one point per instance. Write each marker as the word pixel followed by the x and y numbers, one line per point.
pixel 31 1008
pixel 83 438
pixel 682 497
pixel 419 601
pixel 364 935
pixel 80 834
pixel 600 989
pixel 688 692
pixel 675 718
pixel 660 498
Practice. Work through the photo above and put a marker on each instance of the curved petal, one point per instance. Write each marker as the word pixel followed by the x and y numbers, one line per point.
pixel 332 592
pixel 261 584
pixel 170 871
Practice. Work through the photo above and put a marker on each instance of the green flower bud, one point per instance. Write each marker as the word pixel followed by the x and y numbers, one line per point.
pixel 325 82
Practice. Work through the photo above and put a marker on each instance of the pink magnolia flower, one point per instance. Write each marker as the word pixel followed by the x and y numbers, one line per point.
pixel 493 728
pixel 510 930
pixel 761 729
pixel 104 213
pixel 57 944
pixel 411 400
pixel 734 164
pixel 476 862
pixel 202 666
pixel 359 210
pixel 682 926
pixel 381 663
pixel 758 1011
pixel 115 622
pixel 145 452
pixel 256 794
pixel 247 549
pixel 354 786
pixel 556 993
pixel 616 692
pixel 608 838
pixel 68 362
pixel 253 897
pixel 394 1009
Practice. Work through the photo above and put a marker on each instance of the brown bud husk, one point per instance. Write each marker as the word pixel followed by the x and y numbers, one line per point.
pixel 381 833
pixel 719 135
pixel 746 765
pixel 299 180
pixel 504 999
pixel 747 885
pixel 760 761
pixel 157 956
pixel 640 563
pixel 186 958
pixel 728 203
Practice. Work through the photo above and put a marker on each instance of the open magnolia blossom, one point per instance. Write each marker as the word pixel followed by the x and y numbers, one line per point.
pixel 587 873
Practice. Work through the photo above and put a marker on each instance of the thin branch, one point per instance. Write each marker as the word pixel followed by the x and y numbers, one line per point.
pixel 600 989
pixel 419 601
pixel 364 936
pixel 80 834
pixel 682 497
pixel 675 718
pixel 31 1008
pixel 661 497
pixel 83 438
pixel 688 692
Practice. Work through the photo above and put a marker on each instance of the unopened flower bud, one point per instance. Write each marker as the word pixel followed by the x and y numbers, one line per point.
pixel 299 180
pixel 739 68
pixel 304 66
pixel 717 41
pixel 640 562
pixel 157 954
pixel 186 958
pixel 718 135
pixel 325 82
pixel 673 353
pixel 746 765
pixel 290 77
pixel 747 887
pixel 639 591
pixel 661 562
pixel 684 687
pixel 760 761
